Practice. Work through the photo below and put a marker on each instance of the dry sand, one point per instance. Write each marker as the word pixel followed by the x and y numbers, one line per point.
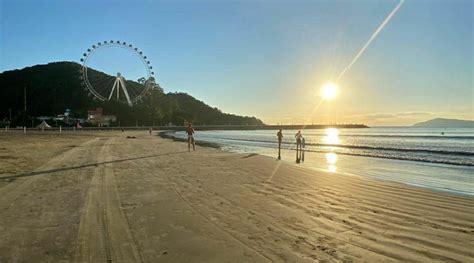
pixel 96 197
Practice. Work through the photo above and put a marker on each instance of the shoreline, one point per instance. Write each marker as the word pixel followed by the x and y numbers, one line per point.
pixel 216 145
pixel 381 163
pixel 165 135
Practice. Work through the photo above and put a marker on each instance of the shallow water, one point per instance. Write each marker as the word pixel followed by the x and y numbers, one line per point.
pixel 436 158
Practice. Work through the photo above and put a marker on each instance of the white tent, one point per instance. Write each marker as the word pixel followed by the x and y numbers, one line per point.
pixel 43 125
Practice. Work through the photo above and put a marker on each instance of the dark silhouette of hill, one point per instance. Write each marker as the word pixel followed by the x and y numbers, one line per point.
pixel 208 115
pixel 55 87
pixel 442 122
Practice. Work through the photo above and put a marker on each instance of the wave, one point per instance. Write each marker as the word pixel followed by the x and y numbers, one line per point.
pixel 414 150
pixel 461 158
pixel 397 157
pixel 362 147
pixel 405 158
pixel 461 137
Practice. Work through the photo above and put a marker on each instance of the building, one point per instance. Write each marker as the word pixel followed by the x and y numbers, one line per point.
pixel 97 118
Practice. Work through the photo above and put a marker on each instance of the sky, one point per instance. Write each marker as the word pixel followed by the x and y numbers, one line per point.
pixel 269 58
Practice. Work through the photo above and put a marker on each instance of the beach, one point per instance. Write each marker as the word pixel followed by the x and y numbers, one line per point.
pixel 100 196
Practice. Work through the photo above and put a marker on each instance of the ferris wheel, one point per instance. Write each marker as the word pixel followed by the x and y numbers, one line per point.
pixel 111 77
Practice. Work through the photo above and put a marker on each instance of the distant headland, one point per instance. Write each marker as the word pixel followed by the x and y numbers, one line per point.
pixel 442 122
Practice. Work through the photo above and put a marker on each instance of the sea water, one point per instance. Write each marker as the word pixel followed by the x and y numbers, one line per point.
pixel 435 158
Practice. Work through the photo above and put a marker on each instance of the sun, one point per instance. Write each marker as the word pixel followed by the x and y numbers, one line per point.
pixel 329 91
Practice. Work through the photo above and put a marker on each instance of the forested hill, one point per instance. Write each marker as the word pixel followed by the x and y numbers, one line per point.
pixel 55 87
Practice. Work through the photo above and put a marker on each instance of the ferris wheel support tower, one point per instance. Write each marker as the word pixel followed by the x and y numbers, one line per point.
pixel 120 83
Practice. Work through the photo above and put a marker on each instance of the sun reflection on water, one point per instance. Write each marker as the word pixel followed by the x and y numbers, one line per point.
pixel 331 136
pixel 331 159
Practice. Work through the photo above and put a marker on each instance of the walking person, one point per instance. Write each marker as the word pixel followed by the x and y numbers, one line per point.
pixel 190 132
pixel 280 138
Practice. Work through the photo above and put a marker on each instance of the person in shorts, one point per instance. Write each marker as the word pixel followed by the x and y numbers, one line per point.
pixel 190 132
pixel 298 138
pixel 280 139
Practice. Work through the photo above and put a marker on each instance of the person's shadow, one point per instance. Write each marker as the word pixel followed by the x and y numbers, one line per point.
pixel 299 155
pixel 55 170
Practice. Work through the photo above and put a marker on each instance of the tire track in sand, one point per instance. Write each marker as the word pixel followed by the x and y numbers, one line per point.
pixel 13 191
pixel 104 234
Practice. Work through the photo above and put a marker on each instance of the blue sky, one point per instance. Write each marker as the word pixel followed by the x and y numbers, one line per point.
pixel 269 58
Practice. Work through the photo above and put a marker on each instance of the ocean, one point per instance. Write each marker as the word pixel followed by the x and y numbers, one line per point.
pixel 436 158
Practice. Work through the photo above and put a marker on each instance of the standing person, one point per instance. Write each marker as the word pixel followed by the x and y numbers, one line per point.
pixel 150 131
pixel 280 138
pixel 298 137
pixel 190 132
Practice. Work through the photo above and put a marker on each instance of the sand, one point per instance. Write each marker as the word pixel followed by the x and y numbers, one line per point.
pixel 94 197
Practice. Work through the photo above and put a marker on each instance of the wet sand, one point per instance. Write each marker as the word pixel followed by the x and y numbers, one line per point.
pixel 92 197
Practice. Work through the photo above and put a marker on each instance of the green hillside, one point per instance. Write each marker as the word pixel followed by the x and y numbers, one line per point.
pixel 55 87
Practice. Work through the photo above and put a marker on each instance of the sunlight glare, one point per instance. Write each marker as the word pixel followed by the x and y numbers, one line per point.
pixel 329 91
pixel 331 159
pixel 331 136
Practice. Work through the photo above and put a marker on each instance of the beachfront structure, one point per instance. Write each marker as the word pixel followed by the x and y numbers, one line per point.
pixel 43 125
pixel 96 117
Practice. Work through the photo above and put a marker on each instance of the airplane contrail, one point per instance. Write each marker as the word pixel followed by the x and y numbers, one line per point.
pixel 374 35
